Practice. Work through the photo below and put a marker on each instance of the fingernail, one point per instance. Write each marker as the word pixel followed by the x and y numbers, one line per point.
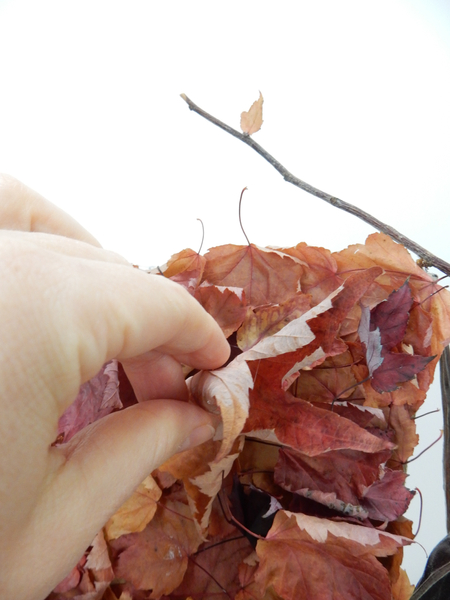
pixel 197 437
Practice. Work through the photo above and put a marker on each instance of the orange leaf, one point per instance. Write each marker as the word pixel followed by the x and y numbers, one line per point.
pixel 136 512
pixel 252 120
pixel 402 588
pixel 186 268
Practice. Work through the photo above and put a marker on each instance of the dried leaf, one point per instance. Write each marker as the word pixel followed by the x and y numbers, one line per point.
pixel 222 562
pixel 307 557
pixel 380 332
pixel 97 398
pixel 387 499
pixel 402 588
pixel 342 476
pixel 312 326
pixel 320 277
pixel 266 276
pixel 252 120
pixel 157 558
pixel 136 512
pixel 226 305
pixel 202 471
pixel 405 433
pixel 267 320
pixel 186 268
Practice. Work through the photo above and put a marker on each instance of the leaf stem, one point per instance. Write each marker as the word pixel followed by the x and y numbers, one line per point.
pixel 421 509
pixel 210 575
pixel 428 258
pixel 351 387
pixel 233 539
pixel 430 412
pixel 240 220
pixel 425 450
pixel 203 236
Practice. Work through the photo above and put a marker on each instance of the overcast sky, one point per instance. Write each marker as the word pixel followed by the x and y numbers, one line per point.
pixel 357 98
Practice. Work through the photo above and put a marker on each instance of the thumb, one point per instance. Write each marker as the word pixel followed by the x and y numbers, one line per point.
pixel 98 470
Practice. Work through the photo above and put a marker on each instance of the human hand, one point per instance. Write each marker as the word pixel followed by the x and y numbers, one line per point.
pixel 66 307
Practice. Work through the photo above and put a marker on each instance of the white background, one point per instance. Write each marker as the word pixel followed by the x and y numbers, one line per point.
pixel 357 98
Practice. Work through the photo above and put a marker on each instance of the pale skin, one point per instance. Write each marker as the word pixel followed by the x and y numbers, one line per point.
pixel 66 307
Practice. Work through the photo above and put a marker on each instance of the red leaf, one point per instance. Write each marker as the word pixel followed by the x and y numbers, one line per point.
pixel 397 368
pixel 346 474
pixel 307 428
pixel 96 399
pixel 383 330
pixel 387 498
pixel 391 317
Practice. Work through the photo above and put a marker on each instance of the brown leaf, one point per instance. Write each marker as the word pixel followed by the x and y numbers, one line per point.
pixel 157 558
pixel 215 569
pixel 406 437
pixel 267 320
pixel 202 470
pixel 305 557
pixel 382 251
pixel 266 276
pixel 320 277
pixel 252 120
pixel 327 381
pixel 227 306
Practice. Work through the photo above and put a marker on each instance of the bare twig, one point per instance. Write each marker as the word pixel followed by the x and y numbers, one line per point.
pixel 429 259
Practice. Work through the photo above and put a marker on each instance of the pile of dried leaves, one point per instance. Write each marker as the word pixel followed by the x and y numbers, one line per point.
pixel 302 494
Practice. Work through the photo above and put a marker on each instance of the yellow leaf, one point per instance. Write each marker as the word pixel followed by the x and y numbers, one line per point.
pixel 136 512
pixel 252 120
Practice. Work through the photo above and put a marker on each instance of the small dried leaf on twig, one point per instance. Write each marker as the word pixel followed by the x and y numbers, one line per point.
pixel 252 120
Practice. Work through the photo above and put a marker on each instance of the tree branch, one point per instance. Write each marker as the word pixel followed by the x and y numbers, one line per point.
pixel 428 259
